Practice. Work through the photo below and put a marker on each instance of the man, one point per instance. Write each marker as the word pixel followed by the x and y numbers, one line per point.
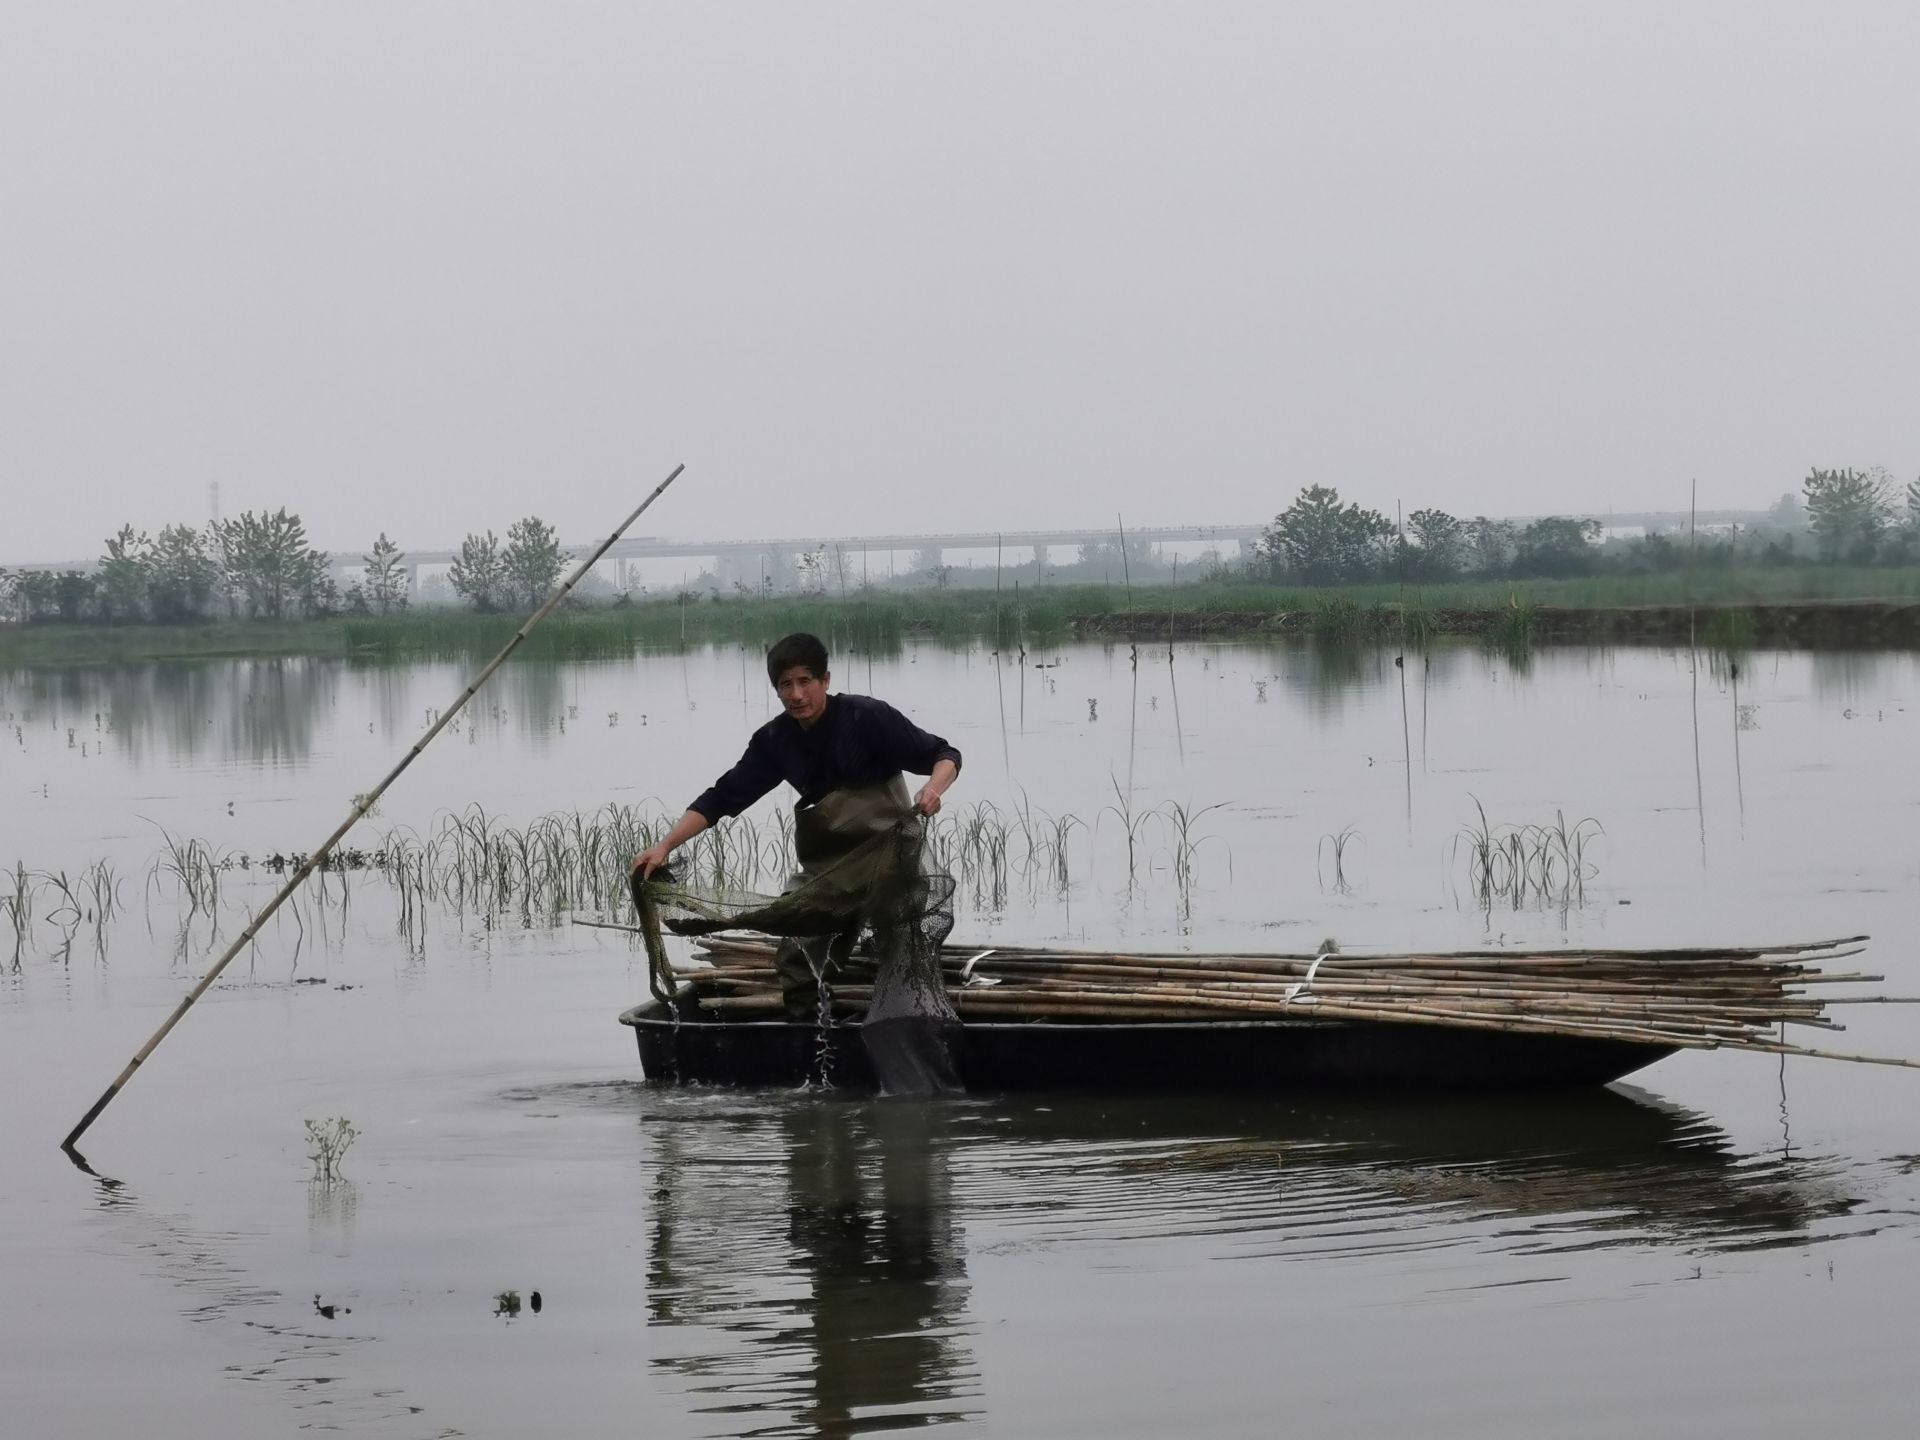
pixel 844 755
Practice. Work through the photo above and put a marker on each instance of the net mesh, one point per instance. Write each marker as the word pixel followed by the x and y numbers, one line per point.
pixel 868 892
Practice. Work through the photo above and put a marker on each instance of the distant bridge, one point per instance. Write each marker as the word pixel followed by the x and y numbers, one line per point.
pixel 653 547
pixel 650 547
pixel 1242 537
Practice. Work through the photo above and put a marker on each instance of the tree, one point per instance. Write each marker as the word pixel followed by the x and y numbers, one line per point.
pixel 1913 505
pixel 1557 545
pixel 1305 537
pixel 1322 541
pixel 1441 543
pixel 1653 553
pixel 1847 510
pixel 1490 545
pixel 475 574
pixel 314 586
pixel 385 584
pixel 9 591
pixel 121 582
pixel 927 561
pixel 840 566
pixel 182 578
pixel 1789 512
pixel 266 560
pixel 1107 560
pixel 73 592
pixel 530 565
pixel 811 566
pixel 36 593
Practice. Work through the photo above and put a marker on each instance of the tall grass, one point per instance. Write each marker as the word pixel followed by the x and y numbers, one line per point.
pixel 1511 633
pixel 1728 634
pixel 1337 619
pixel 1419 625
pixel 474 863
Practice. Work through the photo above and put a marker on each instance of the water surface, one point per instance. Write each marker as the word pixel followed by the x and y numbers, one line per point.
pixel 1725 1245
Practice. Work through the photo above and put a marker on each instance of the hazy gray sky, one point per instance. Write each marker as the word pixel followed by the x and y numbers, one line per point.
pixel 429 267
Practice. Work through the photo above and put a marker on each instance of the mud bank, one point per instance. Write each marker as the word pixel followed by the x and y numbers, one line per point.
pixel 1799 623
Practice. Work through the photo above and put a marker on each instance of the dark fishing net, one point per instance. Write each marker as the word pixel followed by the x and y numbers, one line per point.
pixel 868 899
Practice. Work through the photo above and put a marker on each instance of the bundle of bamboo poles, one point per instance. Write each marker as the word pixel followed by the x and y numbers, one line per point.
pixel 1688 998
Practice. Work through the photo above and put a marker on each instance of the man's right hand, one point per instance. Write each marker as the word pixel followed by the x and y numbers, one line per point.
pixel 651 859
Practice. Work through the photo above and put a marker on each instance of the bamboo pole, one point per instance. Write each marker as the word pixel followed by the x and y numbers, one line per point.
pixel 1729 1021
pixel 1497 959
pixel 1693 998
pixel 1694 985
pixel 1770 991
pixel 1759 1013
pixel 360 808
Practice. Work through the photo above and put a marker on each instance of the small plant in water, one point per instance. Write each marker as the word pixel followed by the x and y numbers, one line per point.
pixel 328 1142
pixel 1545 864
pixel 1334 848
pixel 507 1302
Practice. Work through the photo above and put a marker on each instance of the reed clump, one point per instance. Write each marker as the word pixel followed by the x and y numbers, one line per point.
pixel 1337 620
pixel 1510 631
pixel 1330 859
pixel 91 897
pixel 1518 865
pixel 1419 625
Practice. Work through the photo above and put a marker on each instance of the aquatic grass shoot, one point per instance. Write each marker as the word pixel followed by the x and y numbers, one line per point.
pixel 1133 823
pixel 1330 860
pixel 193 868
pixel 327 1144
pixel 1183 827
pixel 1521 864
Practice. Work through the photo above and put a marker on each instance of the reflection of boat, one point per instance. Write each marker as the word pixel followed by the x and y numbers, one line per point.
pixel 1357 1174
pixel 693 1046
pixel 810 1256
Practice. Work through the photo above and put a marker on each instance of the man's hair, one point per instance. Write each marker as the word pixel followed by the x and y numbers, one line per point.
pixel 797 649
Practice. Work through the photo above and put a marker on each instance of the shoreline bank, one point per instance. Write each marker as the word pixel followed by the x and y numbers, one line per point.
pixel 1825 623
pixel 886 624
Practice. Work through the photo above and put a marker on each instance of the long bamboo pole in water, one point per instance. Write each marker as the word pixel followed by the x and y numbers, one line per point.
pixel 361 806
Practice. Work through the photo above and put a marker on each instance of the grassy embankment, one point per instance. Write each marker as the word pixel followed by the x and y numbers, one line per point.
pixel 1601 607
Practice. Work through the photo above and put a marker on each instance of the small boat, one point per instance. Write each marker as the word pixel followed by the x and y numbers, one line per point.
pixel 685 1043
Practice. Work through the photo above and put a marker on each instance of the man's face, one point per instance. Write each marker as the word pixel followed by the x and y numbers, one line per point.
pixel 803 693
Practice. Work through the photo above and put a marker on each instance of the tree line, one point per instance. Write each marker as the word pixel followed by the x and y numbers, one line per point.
pixel 1840 517
pixel 262 567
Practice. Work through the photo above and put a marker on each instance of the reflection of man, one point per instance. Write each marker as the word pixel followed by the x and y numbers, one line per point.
pixel 883 1259
pixel 844 755
pixel 870 1317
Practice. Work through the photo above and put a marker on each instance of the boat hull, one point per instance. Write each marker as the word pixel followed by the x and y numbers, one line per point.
pixel 1265 1055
